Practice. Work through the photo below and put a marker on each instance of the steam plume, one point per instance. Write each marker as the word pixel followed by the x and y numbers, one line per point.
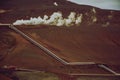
pixel 55 19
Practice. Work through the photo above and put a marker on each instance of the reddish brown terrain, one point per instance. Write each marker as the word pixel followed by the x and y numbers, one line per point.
pixel 69 51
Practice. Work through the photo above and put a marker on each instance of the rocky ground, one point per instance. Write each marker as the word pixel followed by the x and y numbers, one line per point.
pixel 95 39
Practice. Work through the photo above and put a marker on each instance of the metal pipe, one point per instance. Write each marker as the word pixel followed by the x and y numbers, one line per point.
pixel 37 44
pixel 81 63
pixel 57 57
pixel 90 74
pixel 5 24
pixel 108 69
pixel 47 50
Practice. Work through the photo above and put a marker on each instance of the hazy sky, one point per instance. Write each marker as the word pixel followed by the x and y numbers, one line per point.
pixel 104 4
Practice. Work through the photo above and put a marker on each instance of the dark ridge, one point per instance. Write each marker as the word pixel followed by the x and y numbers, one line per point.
pixel 17 4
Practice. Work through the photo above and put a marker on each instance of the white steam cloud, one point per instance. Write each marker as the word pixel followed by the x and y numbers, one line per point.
pixel 55 3
pixel 55 19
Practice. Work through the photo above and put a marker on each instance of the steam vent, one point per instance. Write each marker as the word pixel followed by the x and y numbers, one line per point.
pixel 58 40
